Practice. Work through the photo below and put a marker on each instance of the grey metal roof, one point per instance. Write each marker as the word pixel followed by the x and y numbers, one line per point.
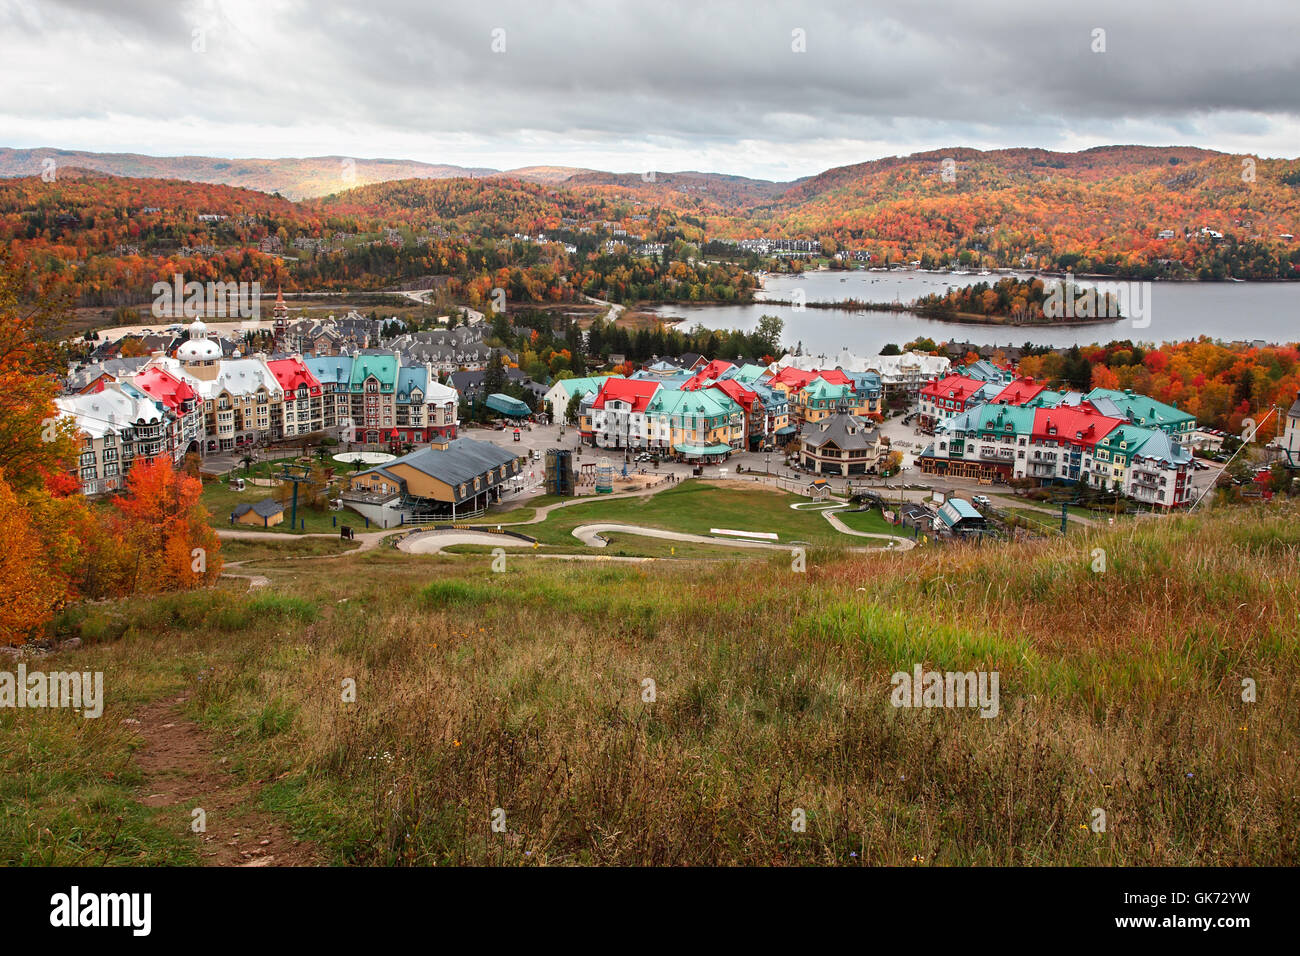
pixel 266 508
pixel 463 460
pixel 848 432
pixel 117 367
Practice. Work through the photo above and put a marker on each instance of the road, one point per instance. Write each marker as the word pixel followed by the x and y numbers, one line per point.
pixel 435 542
pixel 614 310
pixel 421 296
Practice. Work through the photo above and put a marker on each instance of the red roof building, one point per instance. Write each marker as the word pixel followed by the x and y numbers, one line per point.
pixel 164 387
pixel 944 398
pixel 1073 426
pixel 791 379
pixel 744 397
pixel 1019 392
pixel 707 375
pixel 635 392
pixel 1063 440
pixel 184 407
pixel 293 375
pixel 304 404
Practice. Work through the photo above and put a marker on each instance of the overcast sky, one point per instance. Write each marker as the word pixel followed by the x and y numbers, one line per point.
pixel 654 84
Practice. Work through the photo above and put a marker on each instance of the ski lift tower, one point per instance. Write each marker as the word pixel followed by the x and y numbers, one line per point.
pixel 296 474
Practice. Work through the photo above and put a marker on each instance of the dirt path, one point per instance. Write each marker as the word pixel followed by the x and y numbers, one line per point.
pixel 181 770
pixel 367 540
pixel 255 581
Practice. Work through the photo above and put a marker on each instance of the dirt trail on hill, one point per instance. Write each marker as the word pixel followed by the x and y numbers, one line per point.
pixel 181 770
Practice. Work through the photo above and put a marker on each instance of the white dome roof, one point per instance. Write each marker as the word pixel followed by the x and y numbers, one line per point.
pixel 197 327
pixel 198 350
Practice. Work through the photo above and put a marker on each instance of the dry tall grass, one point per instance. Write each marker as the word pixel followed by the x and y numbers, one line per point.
pixel 1120 690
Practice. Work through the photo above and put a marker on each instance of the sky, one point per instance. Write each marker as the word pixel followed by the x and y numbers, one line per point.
pixel 772 90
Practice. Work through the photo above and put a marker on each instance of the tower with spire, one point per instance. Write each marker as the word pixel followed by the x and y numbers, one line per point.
pixel 279 316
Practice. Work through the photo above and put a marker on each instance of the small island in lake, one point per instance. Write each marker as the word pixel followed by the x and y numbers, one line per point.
pixel 1035 301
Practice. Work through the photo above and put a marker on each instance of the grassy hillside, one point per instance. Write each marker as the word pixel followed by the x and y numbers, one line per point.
pixel 1120 690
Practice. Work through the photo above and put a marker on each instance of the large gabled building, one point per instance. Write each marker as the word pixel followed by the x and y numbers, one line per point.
pixel 446 479
pixel 371 397
pixel 426 409
pixel 987 443
pixel 372 389
pixel 840 444
pixel 1145 464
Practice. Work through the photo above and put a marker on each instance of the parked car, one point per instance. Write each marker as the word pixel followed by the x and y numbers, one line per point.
pixel 981 501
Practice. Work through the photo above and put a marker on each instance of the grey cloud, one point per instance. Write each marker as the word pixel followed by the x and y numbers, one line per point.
pixel 699 75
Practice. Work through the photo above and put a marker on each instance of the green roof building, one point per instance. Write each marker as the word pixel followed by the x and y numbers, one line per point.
pixel 1141 410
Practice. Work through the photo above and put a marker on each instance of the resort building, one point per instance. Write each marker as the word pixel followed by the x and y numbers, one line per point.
pixel 699 424
pixel 618 413
pixel 1147 412
pixel 951 395
pixel 840 444
pixel 452 479
pixel 116 427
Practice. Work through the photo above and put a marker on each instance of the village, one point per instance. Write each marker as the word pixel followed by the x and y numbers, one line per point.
pixel 334 429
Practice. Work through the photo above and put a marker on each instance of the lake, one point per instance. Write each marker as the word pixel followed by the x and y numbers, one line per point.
pixel 1175 311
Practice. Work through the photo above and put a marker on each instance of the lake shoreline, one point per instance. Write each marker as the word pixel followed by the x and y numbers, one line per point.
pixel 1020 273
pixel 951 318
pixel 1172 311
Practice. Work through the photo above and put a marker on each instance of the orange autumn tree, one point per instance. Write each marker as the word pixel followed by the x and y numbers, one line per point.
pixel 33 441
pixel 36 451
pixel 166 529
pixel 34 584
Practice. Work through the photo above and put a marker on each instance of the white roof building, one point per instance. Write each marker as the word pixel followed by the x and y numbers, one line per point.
pixel 908 370
pixel 110 410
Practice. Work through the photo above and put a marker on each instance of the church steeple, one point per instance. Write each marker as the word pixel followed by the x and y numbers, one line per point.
pixel 279 315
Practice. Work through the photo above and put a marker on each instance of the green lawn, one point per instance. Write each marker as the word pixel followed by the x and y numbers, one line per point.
pixel 630 546
pixel 220 499
pixel 694 507
pixel 511 513
pixel 870 521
